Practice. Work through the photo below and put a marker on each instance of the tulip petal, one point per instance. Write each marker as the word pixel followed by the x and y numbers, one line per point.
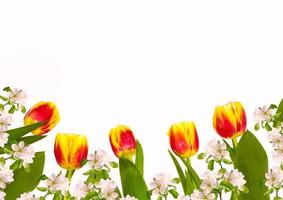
pixel 230 120
pixel 183 139
pixel 70 150
pixel 123 142
pixel 46 112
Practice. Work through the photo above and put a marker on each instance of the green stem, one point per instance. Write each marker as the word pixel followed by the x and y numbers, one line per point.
pixel 277 195
pixel 235 142
pixel 189 165
pixel 69 174
pixel 189 162
pixel 219 162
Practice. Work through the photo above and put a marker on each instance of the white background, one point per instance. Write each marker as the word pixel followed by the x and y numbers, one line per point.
pixel 146 64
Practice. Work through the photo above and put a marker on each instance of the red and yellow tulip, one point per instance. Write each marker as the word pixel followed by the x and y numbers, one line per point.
pixel 45 112
pixel 183 139
pixel 123 142
pixel 230 120
pixel 70 150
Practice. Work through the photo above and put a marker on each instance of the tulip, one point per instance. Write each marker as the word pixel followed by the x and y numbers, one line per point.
pixel 70 150
pixel 183 139
pixel 230 120
pixel 123 142
pixel 45 112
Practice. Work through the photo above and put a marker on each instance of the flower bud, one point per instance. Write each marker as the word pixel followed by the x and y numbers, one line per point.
pixel 123 142
pixel 70 150
pixel 183 139
pixel 230 120
pixel 45 112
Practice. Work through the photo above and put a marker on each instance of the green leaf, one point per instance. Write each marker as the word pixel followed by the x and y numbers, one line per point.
pixel 14 134
pixel 226 161
pixel 31 139
pixel 272 106
pixel 3 98
pixel 201 156
pixel 194 176
pixel 26 181
pixel 139 158
pixel 96 175
pixel 23 109
pixel 12 109
pixel 188 189
pixel 210 165
pixel 114 164
pixel 267 126
pixel 132 181
pixel 251 159
pixel 256 127
pixel 280 111
pixel 83 162
pixel 174 193
pixel 229 148
pixel 7 89
pixel 176 180
pixel 227 185
pixel 42 189
pixel 1 107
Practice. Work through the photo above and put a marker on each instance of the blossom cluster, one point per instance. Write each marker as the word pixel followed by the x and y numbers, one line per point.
pixel 14 154
pixel 267 118
pixel 224 177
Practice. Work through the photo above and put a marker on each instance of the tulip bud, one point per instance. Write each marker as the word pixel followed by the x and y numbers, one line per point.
pixel 230 120
pixel 45 112
pixel 70 150
pixel 183 139
pixel 123 142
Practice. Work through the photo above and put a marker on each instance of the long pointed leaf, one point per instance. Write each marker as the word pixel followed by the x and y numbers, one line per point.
pixel 26 181
pixel 132 181
pixel 251 159
pixel 139 158
pixel 280 110
pixel 31 139
pixel 20 132
pixel 186 183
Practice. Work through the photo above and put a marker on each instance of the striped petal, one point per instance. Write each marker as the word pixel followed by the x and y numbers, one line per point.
pixel 70 150
pixel 46 112
pixel 183 139
pixel 230 120
pixel 123 142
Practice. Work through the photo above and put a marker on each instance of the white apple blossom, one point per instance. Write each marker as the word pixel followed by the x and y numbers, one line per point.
pixel 24 153
pixel 128 197
pixel 57 183
pixel 216 149
pixel 183 197
pixel 278 153
pixel 209 181
pixel 274 178
pixel 82 189
pixel 98 159
pixel 6 176
pixel 263 113
pixel 27 196
pixel 3 138
pixel 2 195
pixel 236 178
pixel 160 184
pixel 17 96
pixel 202 195
pixel 5 120
pixel 107 189
pixel 275 138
